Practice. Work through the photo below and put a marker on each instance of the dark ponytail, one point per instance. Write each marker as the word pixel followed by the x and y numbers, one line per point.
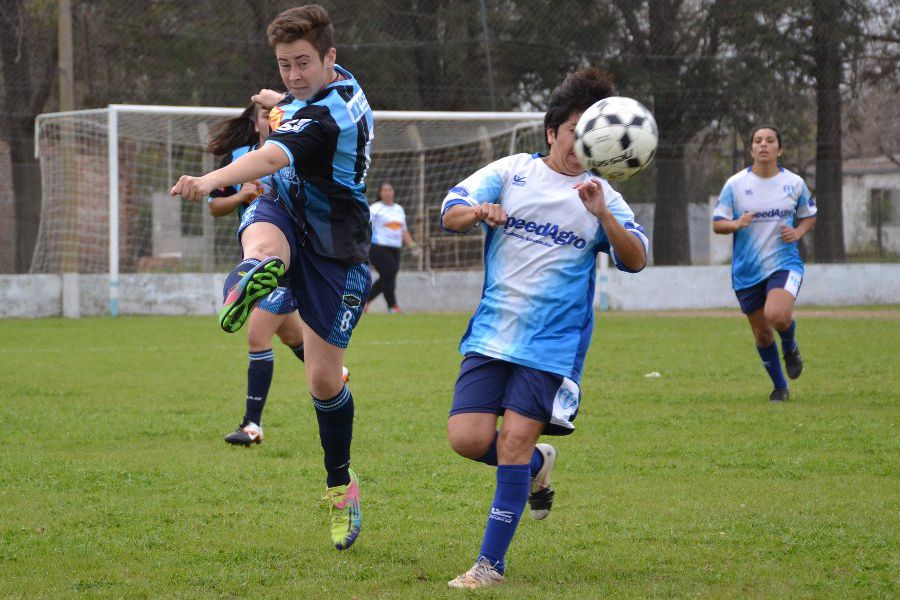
pixel 234 133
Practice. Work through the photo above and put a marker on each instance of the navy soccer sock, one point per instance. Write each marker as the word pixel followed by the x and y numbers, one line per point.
pixel 490 457
pixel 788 343
pixel 513 482
pixel 298 352
pixel 335 416
pixel 769 356
pixel 259 378
pixel 237 274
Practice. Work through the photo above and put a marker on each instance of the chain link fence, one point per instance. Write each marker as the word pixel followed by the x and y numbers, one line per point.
pixel 709 70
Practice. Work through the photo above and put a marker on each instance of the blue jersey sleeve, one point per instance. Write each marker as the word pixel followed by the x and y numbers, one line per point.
pixel 806 204
pixel 725 206
pixel 625 216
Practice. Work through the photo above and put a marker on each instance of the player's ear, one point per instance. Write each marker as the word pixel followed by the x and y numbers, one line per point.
pixel 551 136
pixel 330 57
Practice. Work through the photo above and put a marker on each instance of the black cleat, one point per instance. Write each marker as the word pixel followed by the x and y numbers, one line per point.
pixel 245 434
pixel 779 395
pixel 793 363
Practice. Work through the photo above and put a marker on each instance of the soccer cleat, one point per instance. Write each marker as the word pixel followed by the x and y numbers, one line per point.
pixel 482 574
pixel 793 363
pixel 256 284
pixel 346 515
pixel 779 395
pixel 245 434
pixel 540 500
pixel 345 374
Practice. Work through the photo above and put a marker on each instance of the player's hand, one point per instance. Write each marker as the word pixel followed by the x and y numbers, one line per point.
pixel 253 190
pixel 789 235
pixel 591 194
pixel 192 188
pixel 746 220
pixel 492 214
pixel 267 98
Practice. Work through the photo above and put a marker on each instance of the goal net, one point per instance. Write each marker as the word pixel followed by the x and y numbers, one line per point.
pixel 146 148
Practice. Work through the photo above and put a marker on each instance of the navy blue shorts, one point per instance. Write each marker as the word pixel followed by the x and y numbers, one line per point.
pixel 754 298
pixel 329 294
pixel 279 302
pixel 491 385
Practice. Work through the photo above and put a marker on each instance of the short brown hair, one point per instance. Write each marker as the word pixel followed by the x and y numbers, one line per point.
pixel 577 93
pixel 309 22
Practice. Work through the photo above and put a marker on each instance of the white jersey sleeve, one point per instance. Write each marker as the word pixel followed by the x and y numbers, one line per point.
pixel 484 186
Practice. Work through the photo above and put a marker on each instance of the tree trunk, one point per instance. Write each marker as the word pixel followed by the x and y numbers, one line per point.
pixel 671 237
pixel 829 235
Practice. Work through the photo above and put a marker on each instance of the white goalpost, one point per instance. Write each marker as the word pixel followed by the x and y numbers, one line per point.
pixel 106 174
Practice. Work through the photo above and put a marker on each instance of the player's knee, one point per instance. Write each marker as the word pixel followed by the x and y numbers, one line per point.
pixel 780 320
pixel 258 340
pixel 324 382
pixel 466 444
pixel 513 442
pixel 290 338
pixel 764 337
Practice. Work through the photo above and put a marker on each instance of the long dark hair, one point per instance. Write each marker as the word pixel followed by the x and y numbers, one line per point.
pixel 234 133
pixel 773 128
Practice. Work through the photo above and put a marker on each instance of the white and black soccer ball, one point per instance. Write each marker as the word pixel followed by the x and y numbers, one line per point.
pixel 616 138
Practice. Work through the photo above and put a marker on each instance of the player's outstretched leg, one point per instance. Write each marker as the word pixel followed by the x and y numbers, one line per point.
pixel 540 498
pixel 346 514
pixel 245 286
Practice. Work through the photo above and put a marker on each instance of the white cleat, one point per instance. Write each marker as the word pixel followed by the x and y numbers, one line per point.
pixel 482 574
pixel 540 500
pixel 345 374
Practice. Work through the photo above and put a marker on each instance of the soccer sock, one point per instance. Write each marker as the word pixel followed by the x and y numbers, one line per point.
pixel 787 338
pixel 259 378
pixel 490 457
pixel 237 274
pixel 335 417
pixel 298 352
pixel 513 482
pixel 769 356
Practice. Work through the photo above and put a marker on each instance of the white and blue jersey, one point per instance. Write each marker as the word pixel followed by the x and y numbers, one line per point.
pixel 775 202
pixel 328 142
pixel 539 267
pixel 234 189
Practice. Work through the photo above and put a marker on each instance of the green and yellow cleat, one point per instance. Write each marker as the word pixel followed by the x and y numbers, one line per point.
pixel 346 516
pixel 256 284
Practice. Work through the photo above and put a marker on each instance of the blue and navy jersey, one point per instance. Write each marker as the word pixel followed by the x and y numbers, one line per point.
pixel 234 189
pixel 536 308
pixel 775 202
pixel 328 141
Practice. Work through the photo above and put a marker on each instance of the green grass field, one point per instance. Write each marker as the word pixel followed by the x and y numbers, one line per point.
pixel 115 481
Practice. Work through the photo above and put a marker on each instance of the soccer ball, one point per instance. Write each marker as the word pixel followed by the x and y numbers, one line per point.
pixel 616 138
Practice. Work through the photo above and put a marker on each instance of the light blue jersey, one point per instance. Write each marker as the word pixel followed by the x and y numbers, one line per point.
pixel 539 267
pixel 230 190
pixel 775 202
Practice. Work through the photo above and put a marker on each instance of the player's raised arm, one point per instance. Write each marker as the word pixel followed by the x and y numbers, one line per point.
pixel 462 217
pixel 251 166
pixel 629 249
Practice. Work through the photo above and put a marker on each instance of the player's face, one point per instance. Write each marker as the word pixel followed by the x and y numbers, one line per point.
pixel 387 193
pixel 562 147
pixel 764 147
pixel 303 72
pixel 262 123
